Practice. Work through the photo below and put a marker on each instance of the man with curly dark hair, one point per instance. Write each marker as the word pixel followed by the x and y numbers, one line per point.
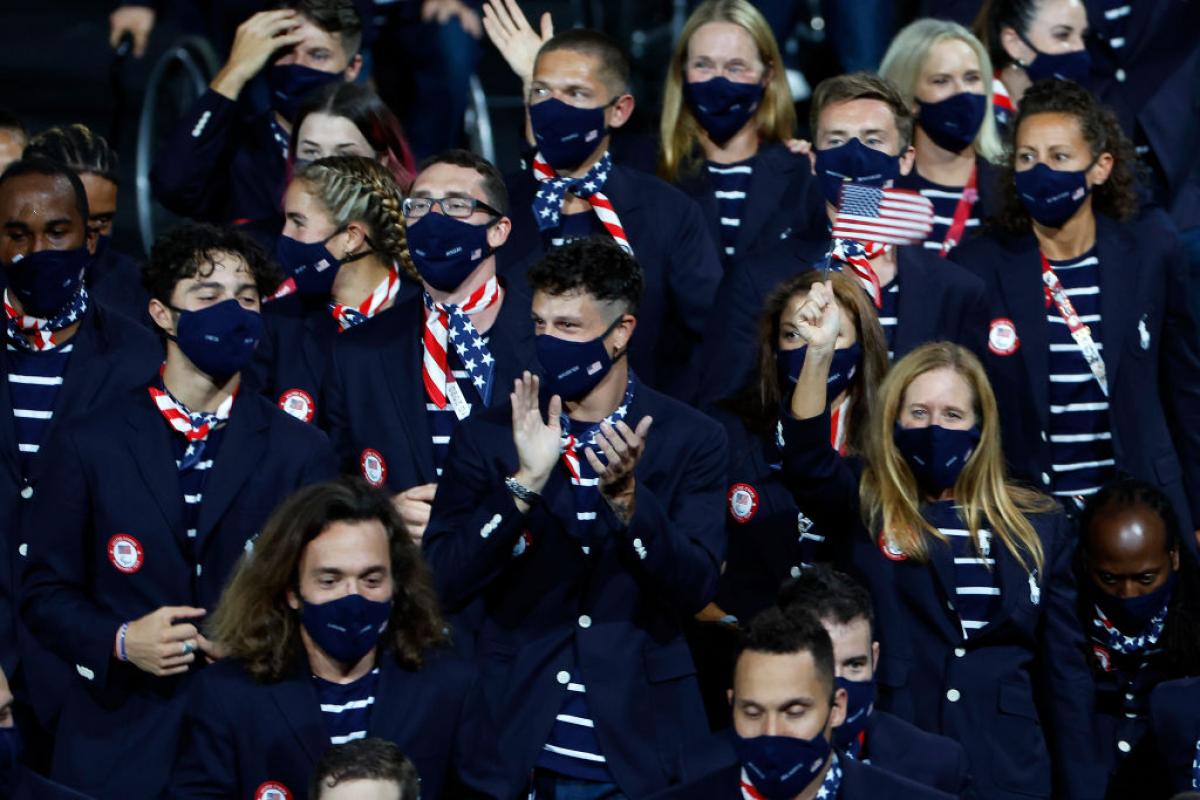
pixel 588 536
pixel 332 633
pixel 1093 346
pixel 155 495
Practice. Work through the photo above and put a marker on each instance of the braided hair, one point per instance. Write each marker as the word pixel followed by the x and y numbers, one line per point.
pixel 76 147
pixel 358 189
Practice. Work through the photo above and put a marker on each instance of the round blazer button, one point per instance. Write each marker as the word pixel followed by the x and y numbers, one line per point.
pixel 1045 438
pixel 959 652
pixel 1124 746
pixel 1046 478
pixel 1128 695
pixel 953 695
pixel 27 492
pixel 564 677
pixel 585 621
pixel 795 572
pixel 1120 76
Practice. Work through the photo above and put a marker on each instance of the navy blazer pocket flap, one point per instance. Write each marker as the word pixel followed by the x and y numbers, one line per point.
pixel 1016 698
pixel 1167 469
pixel 668 663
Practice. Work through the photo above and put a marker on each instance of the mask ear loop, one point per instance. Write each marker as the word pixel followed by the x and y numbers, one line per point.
pixel 350 258
pixel 623 351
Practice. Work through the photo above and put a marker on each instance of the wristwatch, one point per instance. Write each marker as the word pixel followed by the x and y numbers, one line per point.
pixel 520 490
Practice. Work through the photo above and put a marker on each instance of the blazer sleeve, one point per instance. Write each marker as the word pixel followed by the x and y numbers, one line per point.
pixel 474 524
pixel 205 758
pixel 1066 679
pixel 675 547
pixel 56 603
pixel 728 347
pixel 824 484
pixel 1180 381
pixel 321 465
pixel 335 414
pixel 190 175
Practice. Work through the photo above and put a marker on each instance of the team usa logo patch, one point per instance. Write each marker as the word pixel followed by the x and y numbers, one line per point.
pixel 125 553
pixel 1002 337
pixel 374 468
pixel 889 549
pixel 743 502
pixel 272 790
pixel 298 403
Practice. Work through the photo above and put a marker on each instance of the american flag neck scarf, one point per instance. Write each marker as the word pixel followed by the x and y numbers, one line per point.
pixel 195 426
pixel 348 316
pixel 857 256
pixel 34 334
pixel 1105 631
pixel 548 202
pixel 571 444
pixel 829 786
pixel 445 323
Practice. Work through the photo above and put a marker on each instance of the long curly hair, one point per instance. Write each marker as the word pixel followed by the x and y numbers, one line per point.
pixel 1116 197
pixel 253 621
pixel 358 189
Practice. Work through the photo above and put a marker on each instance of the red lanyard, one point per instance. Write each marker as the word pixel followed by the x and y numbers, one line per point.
pixel 962 213
pixel 1082 334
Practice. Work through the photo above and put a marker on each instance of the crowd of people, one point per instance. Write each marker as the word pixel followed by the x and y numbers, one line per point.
pixel 387 475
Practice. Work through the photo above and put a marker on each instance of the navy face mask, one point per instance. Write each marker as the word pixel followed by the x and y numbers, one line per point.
pixel 860 703
pixel 346 628
pixel 841 371
pixel 781 766
pixel 936 455
pixel 722 106
pixel 566 135
pixel 1073 66
pixel 953 123
pixel 219 339
pixel 572 369
pixel 1131 615
pixel 310 264
pixel 291 83
pixel 45 281
pixel 854 162
pixel 446 250
pixel 1052 196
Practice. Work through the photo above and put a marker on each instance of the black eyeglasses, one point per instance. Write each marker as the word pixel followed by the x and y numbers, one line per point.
pixel 457 207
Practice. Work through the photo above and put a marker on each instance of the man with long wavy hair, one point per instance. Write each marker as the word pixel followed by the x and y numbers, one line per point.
pixel 331 633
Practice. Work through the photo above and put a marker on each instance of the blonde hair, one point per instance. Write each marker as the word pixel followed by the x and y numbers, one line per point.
pixel 888 492
pixel 359 189
pixel 776 115
pixel 906 57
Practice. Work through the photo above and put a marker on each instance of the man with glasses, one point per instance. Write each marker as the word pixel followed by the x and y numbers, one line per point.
pixel 399 385
pixel 578 94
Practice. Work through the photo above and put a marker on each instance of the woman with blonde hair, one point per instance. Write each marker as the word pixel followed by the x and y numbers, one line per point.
pixel 970 573
pixel 345 249
pixel 727 113
pixel 943 72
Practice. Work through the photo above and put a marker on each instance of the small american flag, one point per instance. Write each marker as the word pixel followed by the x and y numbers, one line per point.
pixel 888 216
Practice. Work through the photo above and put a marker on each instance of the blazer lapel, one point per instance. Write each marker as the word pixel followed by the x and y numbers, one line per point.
pixel 1020 282
pixel 8 425
pixel 770 174
pixel 408 388
pixel 1119 298
pixel 149 440
pixel 300 708
pixel 320 328
pixel 241 453
pixel 918 296
pixel 511 341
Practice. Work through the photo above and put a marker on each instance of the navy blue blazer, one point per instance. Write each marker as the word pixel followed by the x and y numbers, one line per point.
pixel 987 183
pixel 374 396
pixel 291 360
pixel 111 355
pixel 783 199
pixel 1176 731
pixel 28 785
pixel 240 734
pixel 1150 84
pixel 113 473
pixel 937 301
pixel 115 280
pixel 612 616
pixel 1151 351
pixel 1018 693
pixel 678 255
pixel 859 782
pixel 903 749
pixel 221 164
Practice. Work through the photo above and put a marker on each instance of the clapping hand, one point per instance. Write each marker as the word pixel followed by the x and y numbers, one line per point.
pixel 623 448
pixel 538 440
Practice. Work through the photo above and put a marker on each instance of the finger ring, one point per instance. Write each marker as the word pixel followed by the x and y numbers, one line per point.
pixel 187 648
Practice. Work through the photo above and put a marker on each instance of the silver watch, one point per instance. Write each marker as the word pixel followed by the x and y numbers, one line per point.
pixel 520 490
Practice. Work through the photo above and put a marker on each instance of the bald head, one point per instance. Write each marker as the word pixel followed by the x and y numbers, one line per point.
pixel 1129 551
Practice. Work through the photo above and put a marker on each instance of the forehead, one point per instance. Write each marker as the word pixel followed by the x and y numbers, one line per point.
pixel 854 635
pixel 316 37
pixel 941 386
pixel 1127 534
pixel 950 55
pixel 861 113
pixel 567 66
pixel 28 196
pixel 301 198
pixel 98 189
pixel 1049 129
pixel 222 266
pixel 437 178
pixel 765 677
pixel 1061 12
pixel 347 544
pixel 323 127
pixel 722 40
pixel 792 307
pixel 575 304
